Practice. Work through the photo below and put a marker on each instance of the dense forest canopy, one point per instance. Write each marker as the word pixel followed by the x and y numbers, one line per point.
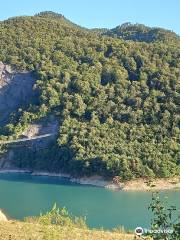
pixel 115 92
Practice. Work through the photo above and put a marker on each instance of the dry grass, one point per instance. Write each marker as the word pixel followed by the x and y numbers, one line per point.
pixel 13 230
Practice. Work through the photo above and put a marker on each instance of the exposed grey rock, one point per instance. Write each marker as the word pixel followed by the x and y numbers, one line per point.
pixel 16 90
pixel 48 125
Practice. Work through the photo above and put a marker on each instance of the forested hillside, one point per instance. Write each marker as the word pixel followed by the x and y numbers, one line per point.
pixel 116 98
pixel 142 33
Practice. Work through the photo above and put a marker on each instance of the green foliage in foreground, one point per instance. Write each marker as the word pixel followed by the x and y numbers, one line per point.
pixel 166 220
pixel 58 216
pixel 116 100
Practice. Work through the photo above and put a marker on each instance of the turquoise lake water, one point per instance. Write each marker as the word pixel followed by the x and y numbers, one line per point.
pixel 24 195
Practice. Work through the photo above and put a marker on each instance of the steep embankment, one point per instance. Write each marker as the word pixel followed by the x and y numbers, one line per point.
pixel 16 90
pixel 36 137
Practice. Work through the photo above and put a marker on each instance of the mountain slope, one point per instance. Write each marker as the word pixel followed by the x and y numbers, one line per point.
pixel 142 33
pixel 116 100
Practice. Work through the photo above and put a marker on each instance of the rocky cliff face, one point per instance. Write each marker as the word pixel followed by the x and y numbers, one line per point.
pixel 16 90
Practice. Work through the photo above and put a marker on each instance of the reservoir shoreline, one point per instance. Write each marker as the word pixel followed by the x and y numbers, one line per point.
pixel 98 181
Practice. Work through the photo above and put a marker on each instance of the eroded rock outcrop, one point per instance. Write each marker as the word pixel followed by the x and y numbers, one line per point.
pixel 16 89
pixel 47 125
